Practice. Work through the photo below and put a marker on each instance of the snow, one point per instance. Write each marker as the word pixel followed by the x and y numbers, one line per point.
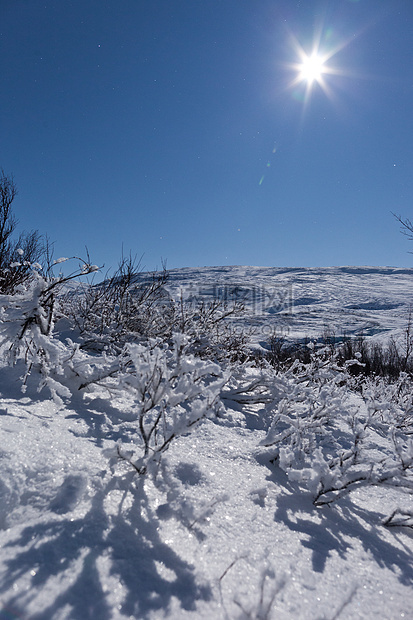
pixel 301 302
pixel 216 529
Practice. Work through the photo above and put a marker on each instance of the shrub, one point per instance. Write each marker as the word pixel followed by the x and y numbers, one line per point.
pixel 172 390
pixel 17 255
pixel 27 320
pixel 123 308
pixel 130 306
pixel 367 358
pixel 326 441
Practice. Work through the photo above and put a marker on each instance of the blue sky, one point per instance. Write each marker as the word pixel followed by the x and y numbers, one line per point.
pixel 174 129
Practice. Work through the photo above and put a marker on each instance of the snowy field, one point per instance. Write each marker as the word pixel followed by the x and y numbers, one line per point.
pixel 230 521
pixel 302 302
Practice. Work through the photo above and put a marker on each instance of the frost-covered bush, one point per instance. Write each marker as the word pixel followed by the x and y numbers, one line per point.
pixel 325 438
pixel 172 392
pixel 171 388
pixel 208 326
pixel 370 358
pixel 27 320
pixel 130 306
pixel 125 307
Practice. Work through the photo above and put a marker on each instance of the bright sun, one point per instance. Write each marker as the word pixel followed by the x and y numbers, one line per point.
pixel 311 68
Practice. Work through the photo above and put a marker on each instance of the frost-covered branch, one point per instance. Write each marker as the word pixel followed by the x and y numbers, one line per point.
pixel 324 439
pixel 172 391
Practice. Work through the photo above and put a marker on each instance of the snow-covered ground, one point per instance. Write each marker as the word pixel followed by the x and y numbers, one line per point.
pixel 218 530
pixel 302 302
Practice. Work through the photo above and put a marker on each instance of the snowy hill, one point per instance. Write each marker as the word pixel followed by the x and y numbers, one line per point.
pixel 279 495
pixel 302 302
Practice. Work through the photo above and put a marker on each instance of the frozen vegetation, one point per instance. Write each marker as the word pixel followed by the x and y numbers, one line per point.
pixel 198 445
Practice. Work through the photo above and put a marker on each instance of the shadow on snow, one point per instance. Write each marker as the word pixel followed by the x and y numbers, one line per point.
pixel 337 528
pixel 129 545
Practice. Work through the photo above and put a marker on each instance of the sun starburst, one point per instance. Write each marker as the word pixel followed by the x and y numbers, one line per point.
pixel 313 67
pixel 311 70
